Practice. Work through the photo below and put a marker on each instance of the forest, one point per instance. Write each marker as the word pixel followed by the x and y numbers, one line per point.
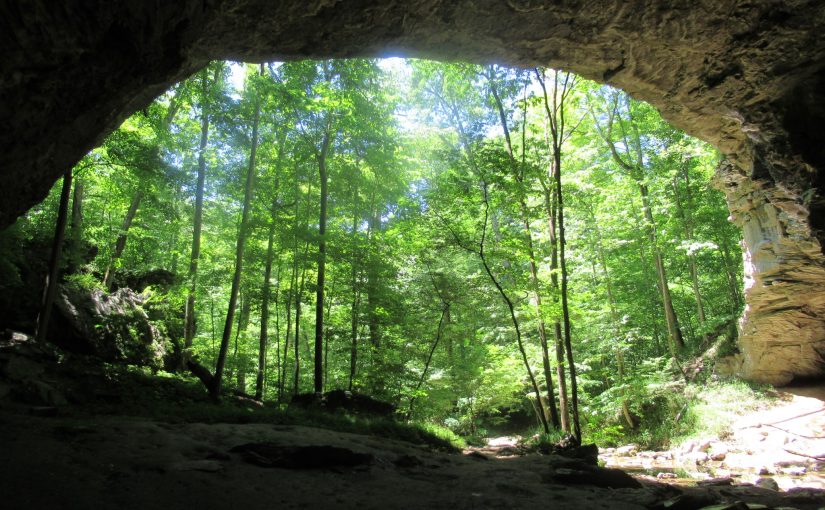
pixel 486 248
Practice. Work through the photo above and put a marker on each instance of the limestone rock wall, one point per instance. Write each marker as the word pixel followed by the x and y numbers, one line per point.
pixel 745 75
pixel 782 329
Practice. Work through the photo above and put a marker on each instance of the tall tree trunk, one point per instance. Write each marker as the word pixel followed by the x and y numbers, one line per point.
pixel 322 261
pixel 215 389
pixel 123 234
pixel 353 356
pixel 329 302
pixel 614 316
pixel 293 288
pixel 518 172
pixel 574 392
pixel 212 322
pixel 552 237
pixel 556 117
pixel 288 333
pixel 190 323
pixel 356 291
pixel 466 144
pixel 636 170
pixel 297 343
pixel 356 298
pixel 239 359
pixel 445 310
pixel 685 213
pixel 649 280
pixel 372 282
pixel 50 289
pixel 265 292
pixel 539 405
pixel 277 335
pixel 74 255
pixel 673 330
pixel 733 284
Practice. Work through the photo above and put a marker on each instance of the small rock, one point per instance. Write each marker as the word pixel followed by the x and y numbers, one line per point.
pixel 207 466
pixel 696 457
pixel 765 470
pixel 508 451
pixel 703 445
pixel 723 473
pixel 794 470
pixel 271 455
pixel 718 451
pixel 599 477
pixel 216 455
pixel 626 451
pixel 11 337
pixel 665 475
pixel 43 411
pixel 767 483
pixel 407 461
pixel 736 505
pixel 20 368
pixel 715 482
pixel 686 502
pixel 47 394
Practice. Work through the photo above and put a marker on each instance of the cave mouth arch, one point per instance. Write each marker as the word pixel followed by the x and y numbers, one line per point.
pixel 742 76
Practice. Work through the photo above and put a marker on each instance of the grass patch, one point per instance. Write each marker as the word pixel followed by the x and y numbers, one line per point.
pixel 668 413
pixel 173 398
pixel 713 408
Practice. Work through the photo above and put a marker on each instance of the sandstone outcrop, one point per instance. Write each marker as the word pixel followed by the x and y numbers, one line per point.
pixel 746 76
pixel 782 329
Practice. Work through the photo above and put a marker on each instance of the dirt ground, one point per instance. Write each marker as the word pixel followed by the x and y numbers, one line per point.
pixel 125 462
pixel 59 453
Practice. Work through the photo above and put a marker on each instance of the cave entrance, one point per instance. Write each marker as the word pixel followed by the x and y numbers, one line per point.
pixel 717 70
pixel 424 161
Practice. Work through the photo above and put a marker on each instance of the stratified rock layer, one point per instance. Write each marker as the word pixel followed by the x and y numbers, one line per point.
pixel 747 76
pixel 782 331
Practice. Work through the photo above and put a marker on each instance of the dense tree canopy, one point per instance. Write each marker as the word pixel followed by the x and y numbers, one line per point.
pixel 473 240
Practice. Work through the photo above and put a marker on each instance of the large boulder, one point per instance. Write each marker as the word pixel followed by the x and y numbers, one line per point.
pixel 114 327
pixel 343 402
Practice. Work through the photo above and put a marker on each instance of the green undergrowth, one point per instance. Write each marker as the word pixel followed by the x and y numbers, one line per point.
pixel 715 407
pixel 177 399
pixel 696 410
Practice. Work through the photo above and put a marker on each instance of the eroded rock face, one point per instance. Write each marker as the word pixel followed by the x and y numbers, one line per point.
pixel 782 331
pixel 747 76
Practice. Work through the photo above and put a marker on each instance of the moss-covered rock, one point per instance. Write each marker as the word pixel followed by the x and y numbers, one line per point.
pixel 114 327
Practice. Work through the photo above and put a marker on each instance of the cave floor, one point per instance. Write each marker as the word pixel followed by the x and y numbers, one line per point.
pixel 73 436
pixel 87 461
